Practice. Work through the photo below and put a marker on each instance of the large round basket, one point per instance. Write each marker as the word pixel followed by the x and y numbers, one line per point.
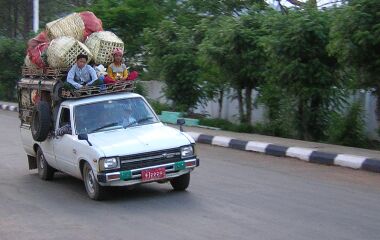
pixel 71 26
pixel 101 44
pixel 63 51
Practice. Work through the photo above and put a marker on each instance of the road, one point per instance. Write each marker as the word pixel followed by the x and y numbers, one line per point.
pixel 232 195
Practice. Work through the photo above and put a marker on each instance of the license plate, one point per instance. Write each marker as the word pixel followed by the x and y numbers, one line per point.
pixel 153 174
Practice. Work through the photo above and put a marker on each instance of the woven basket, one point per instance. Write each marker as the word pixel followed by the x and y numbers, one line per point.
pixel 101 44
pixel 71 26
pixel 63 52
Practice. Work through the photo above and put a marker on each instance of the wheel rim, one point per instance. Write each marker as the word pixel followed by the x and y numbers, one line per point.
pixel 36 119
pixel 42 162
pixel 90 181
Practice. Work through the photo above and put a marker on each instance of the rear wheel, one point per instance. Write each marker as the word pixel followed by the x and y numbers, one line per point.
pixel 45 171
pixel 94 190
pixel 181 183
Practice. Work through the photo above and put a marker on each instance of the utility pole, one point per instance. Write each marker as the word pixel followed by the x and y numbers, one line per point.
pixel 36 17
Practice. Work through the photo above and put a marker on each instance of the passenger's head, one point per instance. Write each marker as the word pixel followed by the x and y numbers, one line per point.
pixel 82 60
pixel 117 55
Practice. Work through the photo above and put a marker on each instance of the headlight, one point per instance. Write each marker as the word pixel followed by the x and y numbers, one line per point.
pixel 187 151
pixel 108 163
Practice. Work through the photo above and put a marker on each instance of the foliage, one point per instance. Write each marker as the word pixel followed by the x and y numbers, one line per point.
pixel 140 89
pixel 12 54
pixel 301 67
pixel 172 49
pixel 355 39
pixel 128 18
pixel 280 111
pixel 348 129
pixel 159 107
pixel 16 15
pixel 231 45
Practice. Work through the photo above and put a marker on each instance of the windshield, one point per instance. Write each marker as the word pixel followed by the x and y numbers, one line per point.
pixel 112 114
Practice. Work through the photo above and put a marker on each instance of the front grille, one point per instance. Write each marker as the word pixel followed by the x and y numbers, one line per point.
pixel 149 159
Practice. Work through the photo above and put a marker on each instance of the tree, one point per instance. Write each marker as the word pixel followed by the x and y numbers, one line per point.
pixel 300 65
pixel 172 56
pixel 128 18
pixel 355 40
pixel 12 54
pixel 16 15
pixel 233 46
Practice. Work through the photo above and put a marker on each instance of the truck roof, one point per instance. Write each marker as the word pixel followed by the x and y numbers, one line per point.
pixel 99 98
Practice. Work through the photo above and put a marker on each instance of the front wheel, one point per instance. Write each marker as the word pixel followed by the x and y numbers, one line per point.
pixel 181 183
pixel 94 190
pixel 45 171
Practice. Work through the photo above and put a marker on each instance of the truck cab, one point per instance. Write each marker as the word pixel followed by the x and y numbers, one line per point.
pixel 113 139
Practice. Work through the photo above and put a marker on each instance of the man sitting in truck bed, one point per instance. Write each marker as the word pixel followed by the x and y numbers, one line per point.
pixel 81 74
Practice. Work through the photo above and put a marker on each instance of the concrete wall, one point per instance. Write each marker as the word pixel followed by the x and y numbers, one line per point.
pixel 230 106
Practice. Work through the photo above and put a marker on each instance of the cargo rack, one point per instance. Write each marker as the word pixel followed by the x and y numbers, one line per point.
pixel 52 80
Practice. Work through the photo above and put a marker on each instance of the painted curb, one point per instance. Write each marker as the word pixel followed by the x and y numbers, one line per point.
pixel 305 154
pixel 8 107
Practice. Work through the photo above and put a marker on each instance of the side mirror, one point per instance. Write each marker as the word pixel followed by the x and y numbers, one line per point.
pixel 84 136
pixel 181 122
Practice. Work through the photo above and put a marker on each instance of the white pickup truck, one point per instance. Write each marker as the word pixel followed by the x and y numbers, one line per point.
pixel 108 140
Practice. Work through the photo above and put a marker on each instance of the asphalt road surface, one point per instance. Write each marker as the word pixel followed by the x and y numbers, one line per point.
pixel 232 195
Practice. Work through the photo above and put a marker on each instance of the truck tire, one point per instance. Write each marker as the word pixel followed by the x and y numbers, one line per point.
pixel 41 121
pixel 45 171
pixel 181 183
pixel 94 190
pixel 57 92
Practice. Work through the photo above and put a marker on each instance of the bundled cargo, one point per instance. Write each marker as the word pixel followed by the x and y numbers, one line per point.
pixel 62 52
pixel 36 49
pixel 76 25
pixel 102 44
pixel 91 24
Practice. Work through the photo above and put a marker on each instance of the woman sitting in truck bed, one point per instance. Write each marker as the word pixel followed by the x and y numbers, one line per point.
pixel 117 71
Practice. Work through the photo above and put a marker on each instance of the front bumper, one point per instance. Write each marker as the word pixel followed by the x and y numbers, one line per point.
pixel 132 177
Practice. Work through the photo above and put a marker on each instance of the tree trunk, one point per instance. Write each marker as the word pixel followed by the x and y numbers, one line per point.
pixel 27 18
pixel 377 111
pixel 248 104
pixel 241 108
pixel 302 128
pixel 9 20
pixel 220 102
pixel 15 19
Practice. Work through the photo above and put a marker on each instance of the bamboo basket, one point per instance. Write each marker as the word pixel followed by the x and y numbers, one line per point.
pixel 71 26
pixel 62 52
pixel 101 44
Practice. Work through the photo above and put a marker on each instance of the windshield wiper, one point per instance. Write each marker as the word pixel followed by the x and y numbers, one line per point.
pixel 137 122
pixel 143 119
pixel 105 126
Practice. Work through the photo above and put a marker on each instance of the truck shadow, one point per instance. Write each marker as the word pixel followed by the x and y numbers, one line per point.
pixel 65 183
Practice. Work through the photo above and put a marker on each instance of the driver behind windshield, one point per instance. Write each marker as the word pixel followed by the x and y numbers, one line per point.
pixel 127 119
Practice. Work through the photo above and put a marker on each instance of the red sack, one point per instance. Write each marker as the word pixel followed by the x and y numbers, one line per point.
pixel 40 38
pixel 36 53
pixel 132 75
pixel 91 23
pixel 37 46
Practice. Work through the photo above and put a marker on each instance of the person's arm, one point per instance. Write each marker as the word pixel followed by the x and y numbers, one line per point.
pixel 70 78
pixel 110 72
pixel 66 129
pixel 93 75
pixel 125 72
